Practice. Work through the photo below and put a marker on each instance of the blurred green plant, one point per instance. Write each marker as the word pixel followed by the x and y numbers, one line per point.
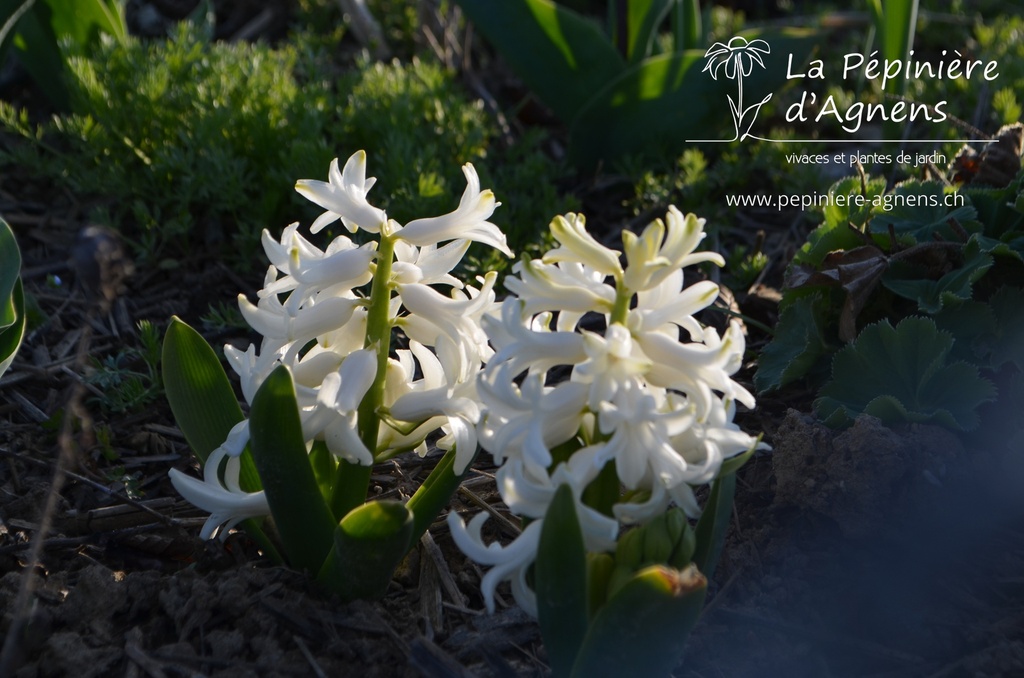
pixel 615 93
pixel 222 316
pixel 944 258
pixel 185 142
pixel 423 128
pixel 12 298
pixel 34 29
pixel 124 387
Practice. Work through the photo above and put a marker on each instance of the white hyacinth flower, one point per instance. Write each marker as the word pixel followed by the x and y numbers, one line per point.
pixel 467 222
pixel 344 197
pixel 328 314
pixel 226 502
pixel 640 398
pixel 529 492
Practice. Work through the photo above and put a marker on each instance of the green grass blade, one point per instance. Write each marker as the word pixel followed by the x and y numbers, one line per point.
pixel 300 513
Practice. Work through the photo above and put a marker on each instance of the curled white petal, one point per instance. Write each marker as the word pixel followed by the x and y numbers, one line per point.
pixel 226 508
pixel 344 197
pixel 581 247
pixel 507 562
pixel 467 222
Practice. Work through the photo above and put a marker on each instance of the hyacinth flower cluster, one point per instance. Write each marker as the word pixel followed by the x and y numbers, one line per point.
pixel 604 382
pixel 592 384
pixel 330 318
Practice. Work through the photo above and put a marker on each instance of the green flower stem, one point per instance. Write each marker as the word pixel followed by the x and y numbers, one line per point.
pixel 621 309
pixel 352 480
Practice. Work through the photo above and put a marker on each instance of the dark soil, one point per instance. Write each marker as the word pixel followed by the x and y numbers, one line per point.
pixel 870 552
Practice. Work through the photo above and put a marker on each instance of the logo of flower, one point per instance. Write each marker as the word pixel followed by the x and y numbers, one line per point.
pixel 738 59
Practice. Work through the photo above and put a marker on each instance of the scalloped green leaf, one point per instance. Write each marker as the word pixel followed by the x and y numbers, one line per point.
pixel 932 295
pixel 1001 210
pixel 834 233
pixel 798 346
pixel 972 323
pixel 853 209
pixel 901 374
pixel 918 210
pixel 1007 342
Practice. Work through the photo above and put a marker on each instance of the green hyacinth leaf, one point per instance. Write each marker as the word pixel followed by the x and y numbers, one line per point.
pixel 600 569
pixel 12 298
pixel 643 18
pixel 10 271
pixel 201 398
pixel 562 57
pixel 82 21
pixel 561 582
pixel 369 543
pixel 303 520
pixel 325 468
pixel 642 629
pixel 902 374
pixel 714 524
pixel 650 107
pixel 434 494
pixel 33 37
pixel 12 335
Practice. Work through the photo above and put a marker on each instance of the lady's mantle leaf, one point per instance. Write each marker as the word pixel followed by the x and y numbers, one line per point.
pixel 901 374
pixel 930 295
pixel 798 345
pixel 918 209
